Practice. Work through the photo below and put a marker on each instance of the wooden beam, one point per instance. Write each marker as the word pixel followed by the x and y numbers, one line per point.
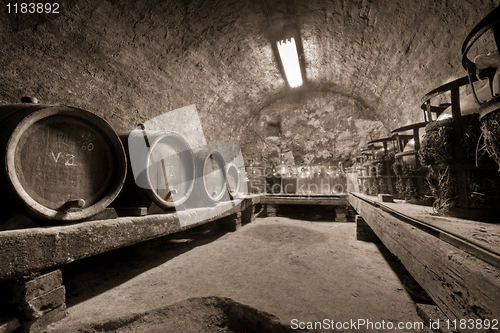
pixel 340 200
pixel 23 251
pixel 463 286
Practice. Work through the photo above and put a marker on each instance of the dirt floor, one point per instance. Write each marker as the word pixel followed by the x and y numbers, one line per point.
pixel 273 275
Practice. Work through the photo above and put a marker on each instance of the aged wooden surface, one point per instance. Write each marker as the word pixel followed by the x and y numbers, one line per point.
pixel 210 185
pixel 29 250
pixel 60 162
pixel 333 200
pixel 168 171
pixel 464 286
pixel 481 234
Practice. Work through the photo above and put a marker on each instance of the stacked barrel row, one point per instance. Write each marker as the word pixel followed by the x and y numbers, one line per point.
pixel 67 164
pixel 436 162
pixel 373 167
pixel 451 159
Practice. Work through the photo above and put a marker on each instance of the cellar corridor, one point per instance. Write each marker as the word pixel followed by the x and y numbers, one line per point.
pixel 290 268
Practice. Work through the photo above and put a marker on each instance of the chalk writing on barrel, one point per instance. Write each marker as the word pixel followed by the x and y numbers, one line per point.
pixel 68 160
pixel 88 146
pixel 54 156
pixel 87 141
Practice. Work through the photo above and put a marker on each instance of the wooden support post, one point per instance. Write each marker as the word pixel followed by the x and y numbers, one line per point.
pixel 364 232
pixel 463 197
pixel 36 300
pixel 248 215
pixel 389 178
pixel 454 276
pixel 416 139
pixel 271 210
pixel 341 214
pixel 400 143
pixel 385 198
pixel 230 223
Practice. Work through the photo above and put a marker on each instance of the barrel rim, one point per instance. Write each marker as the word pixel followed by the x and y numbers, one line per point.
pixel 229 165
pixel 202 155
pixel 489 107
pixel 26 200
pixel 153 195
pixel 217 154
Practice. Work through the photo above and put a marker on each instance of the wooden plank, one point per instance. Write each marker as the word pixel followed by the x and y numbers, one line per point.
pixel 463 286
pixel 311 200
pixel 482 234
pixel 449 237
pixel 23 251
pixel 132 211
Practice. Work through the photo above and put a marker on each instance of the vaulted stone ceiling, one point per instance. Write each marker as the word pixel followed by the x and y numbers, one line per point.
pixel 368 64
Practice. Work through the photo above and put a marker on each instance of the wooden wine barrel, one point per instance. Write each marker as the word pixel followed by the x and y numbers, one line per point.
pixel 384 158
pixel 60 162
pixel 409 151
pixel 167 170
pixel 233 178
pixel 210 185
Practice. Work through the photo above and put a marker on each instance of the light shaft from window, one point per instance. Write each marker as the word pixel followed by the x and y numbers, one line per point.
pixel 290 60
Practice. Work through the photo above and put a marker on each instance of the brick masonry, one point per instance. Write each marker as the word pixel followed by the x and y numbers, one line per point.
pixel 271 210
pixel 27 288
pixel 344 214
pixel 36 301
pixel 37 307
pixel 230 223
pixel 38 325
pixel 248 215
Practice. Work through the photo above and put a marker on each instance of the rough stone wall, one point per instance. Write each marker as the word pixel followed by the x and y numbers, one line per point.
pixel 313 127
pixel 129 61
pixel 389 53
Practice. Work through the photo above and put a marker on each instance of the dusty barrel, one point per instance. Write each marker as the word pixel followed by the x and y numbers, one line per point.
pixel 210 185
pixel 59 162
pixel 486 66
pixel 163 169
pixel 233 178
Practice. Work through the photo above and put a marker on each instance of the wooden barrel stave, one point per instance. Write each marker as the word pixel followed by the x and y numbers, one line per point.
pixel 61 163
pixel 233 178
pixel 210 185
pixel 168 170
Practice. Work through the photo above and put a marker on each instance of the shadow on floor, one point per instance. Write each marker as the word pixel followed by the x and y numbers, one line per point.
pixel 313 213
pixel 416 292
pixel 94 275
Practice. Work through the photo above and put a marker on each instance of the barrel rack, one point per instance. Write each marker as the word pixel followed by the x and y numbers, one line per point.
pixel 23 251
pixel 456 261
pixel 272 203
pixel 27 250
